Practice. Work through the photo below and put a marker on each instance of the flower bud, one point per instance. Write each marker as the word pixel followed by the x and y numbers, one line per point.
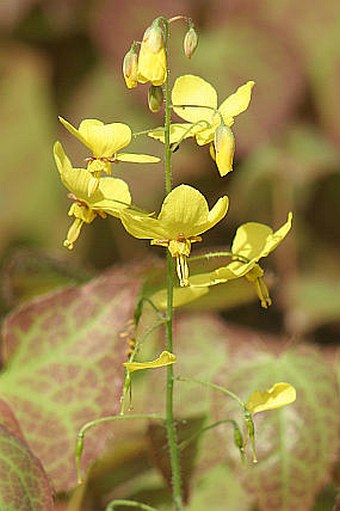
pixel 155 98
pixel 224 144
pixel 238 437
pixel 130 66
pixel 153 38
pixel 190 42
pixel 251 433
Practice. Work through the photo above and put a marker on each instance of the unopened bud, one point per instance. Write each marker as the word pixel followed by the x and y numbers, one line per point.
pixel 190 42
pixel 130 66
pixel 153 38
pixel 238 437
pixel 251 432
pixel 155 98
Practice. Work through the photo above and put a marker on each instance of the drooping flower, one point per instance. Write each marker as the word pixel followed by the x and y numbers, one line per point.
pixel 110 198
pixel 279 395
pixel 104 141
pixel 252 242
pixel 183 217
pixel 152 56
pixel 195 100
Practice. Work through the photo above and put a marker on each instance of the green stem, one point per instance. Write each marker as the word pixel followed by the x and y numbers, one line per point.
pixel 103 420
pixel 188 441
pixel 215 387
pixel 170 422
pixel 130 503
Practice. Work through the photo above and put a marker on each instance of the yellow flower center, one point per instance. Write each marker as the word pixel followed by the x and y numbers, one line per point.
pixel 180 249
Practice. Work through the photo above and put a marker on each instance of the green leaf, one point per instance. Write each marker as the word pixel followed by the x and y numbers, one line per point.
pixel 64 359
pixel 23 483
pixel 295 444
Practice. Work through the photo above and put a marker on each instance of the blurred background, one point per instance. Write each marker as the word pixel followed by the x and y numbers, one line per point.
pixel 64 57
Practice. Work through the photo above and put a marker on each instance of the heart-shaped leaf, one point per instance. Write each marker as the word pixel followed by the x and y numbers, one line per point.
pixel 64 367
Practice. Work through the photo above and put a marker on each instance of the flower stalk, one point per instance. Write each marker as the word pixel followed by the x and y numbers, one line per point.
pixel 170 422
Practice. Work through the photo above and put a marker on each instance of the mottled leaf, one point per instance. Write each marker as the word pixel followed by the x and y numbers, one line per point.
pixel 9 421
pixel 64 367
pixel 296 445
pixel 23 483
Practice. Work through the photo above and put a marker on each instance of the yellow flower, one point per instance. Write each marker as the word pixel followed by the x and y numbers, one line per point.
pixel 165 358
pixel 195 100
pixel 105 140
pixel 280 394
pixel 252 242
pixel 152 57
pixel 111 196
pixel 183 217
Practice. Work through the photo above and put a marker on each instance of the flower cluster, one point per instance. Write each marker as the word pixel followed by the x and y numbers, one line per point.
pixel 184 216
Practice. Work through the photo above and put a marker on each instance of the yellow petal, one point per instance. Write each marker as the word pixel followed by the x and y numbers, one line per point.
pixel 185 211
pixel 73 131
pixel 142 226
pixel 151 66
pixel 193 90
pixel 165 358
pixel 115 196
pixel 105 140
pixel 254 241
pixel 224 149
pixel 203 280
pixel 76 180
pixel 280 394
pixel 137 158
pixel 205 136
pixel 182 296
pixel 236 103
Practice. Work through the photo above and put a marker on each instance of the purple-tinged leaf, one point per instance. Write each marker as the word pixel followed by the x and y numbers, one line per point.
pixel 64 367
pixel 23 482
